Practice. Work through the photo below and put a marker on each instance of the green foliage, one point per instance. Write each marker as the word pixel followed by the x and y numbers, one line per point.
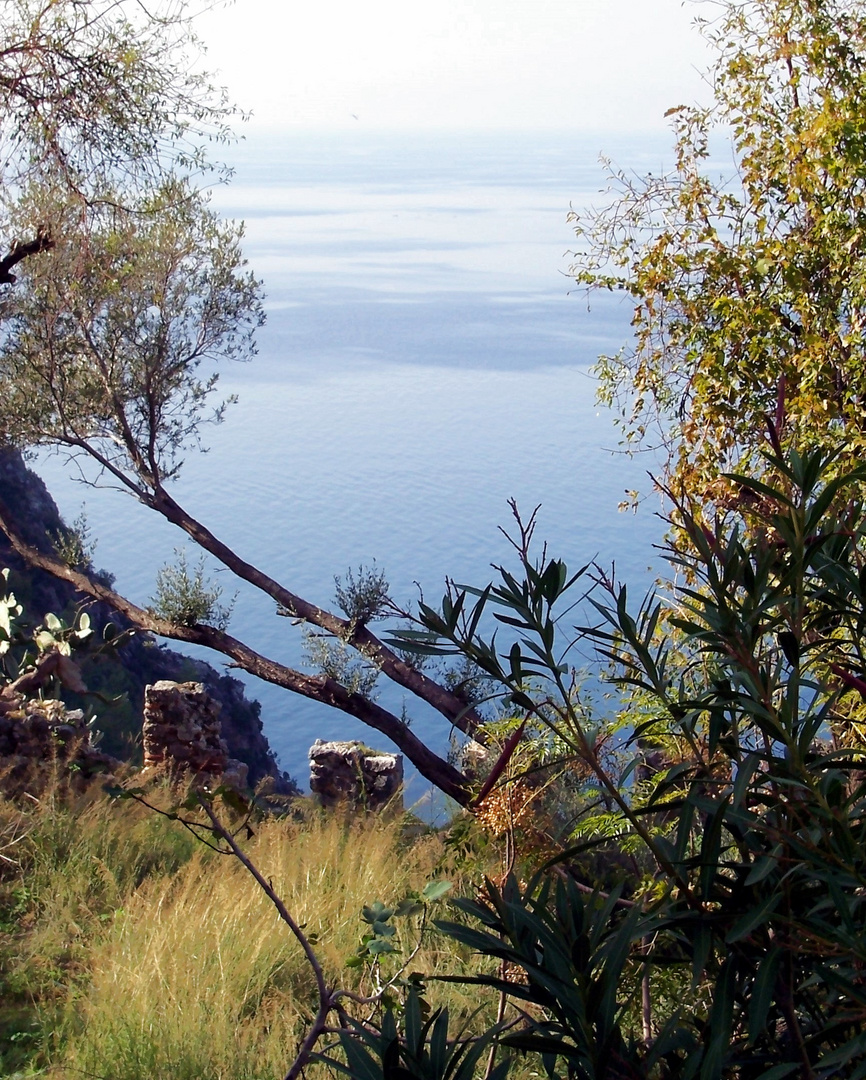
pixel 75 543
pixel 184 595
pixel 580 975
pixel 381 937
pixel 10 613
pixel 749 880
pixel 137 91
pixel 126 283
pixel 421 1049
pixel 105 354
pixel 129 282
pixel 746 261
pixel 22 645
pixel 335 659
pixel 362 597
pixel 55 635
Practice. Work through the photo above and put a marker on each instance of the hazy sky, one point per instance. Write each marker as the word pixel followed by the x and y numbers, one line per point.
pixel 561 64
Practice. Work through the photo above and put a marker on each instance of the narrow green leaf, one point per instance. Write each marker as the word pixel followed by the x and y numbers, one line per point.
pixel 435 890
pixel 762 993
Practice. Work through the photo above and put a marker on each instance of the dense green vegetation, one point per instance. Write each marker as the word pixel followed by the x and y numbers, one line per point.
pixel 736 804
pixel 745 261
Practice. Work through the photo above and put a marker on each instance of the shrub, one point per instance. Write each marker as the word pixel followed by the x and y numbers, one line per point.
pixel 735 947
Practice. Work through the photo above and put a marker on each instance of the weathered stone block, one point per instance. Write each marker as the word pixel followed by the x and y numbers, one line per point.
pixel 41 742
pixel 350 773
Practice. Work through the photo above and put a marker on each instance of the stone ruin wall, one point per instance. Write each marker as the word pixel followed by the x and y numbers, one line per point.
pixel 181 734
pixel 349 774
pixel 43 743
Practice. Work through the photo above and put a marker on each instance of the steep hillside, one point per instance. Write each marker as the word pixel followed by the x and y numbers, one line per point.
pixel 119 680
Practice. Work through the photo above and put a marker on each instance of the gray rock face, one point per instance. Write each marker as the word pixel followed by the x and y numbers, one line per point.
pixel 182 734
pixel 351 774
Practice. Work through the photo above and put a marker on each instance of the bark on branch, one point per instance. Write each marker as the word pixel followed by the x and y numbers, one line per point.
pixel 53 665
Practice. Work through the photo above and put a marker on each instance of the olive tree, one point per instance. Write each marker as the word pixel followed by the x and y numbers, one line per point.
pixel 92 91
pixel 128 293
pixel 747 261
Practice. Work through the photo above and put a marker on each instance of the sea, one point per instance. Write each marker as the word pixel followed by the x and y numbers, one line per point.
pixel 426 359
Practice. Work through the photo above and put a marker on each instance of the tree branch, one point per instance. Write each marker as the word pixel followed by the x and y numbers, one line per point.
pixel 358 636
pixel 318 688
pixel 21 251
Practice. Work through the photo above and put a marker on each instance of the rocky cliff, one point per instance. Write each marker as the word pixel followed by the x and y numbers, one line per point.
pixel 120 680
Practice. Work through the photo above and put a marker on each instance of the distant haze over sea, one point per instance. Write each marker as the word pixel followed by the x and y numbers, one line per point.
pixel 423 362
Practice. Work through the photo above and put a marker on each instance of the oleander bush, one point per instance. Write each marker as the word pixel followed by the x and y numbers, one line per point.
pixel 735 944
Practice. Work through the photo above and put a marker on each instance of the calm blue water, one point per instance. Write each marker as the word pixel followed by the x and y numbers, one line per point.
pixel 423 362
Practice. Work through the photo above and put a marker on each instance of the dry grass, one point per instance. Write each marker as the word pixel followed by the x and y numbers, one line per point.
pixel 68 867
pixel 141 954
